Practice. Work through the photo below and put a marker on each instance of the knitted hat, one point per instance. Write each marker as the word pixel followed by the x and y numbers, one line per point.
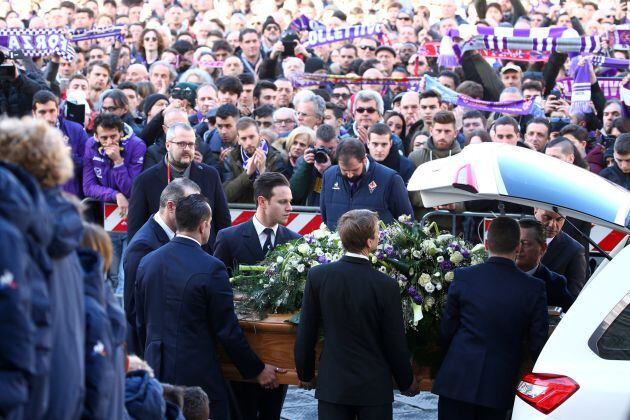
pixel 150 100
pixel 269 21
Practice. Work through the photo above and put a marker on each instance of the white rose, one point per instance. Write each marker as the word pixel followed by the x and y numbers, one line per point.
pixel 444 238
pixel 300 268
pixel 382 269
pixel 303 249
pixel 319 234
pixel 449 276
pixel 436 274
pixel 438 286
pixel 404 218
pixel 429 287
pixel 457 257
pixel 424 279
pixel 440 259
pixel 318 251
pixel 416 254
pixel 323 226
pixel 279 260
pixel 478 247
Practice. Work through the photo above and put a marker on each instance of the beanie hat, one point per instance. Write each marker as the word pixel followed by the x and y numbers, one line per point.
pixel 269 21
pixel 150 100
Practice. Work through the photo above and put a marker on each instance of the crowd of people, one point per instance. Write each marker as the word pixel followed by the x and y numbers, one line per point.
pixel 172 109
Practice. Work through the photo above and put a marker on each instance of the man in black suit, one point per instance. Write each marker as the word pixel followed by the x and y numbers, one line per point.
pixel 157 231
pixel 248 243
pixel 490 309
pixel 145 194
pixel 360 311
pixel 564 254
pixel 184 304
pixel 533 247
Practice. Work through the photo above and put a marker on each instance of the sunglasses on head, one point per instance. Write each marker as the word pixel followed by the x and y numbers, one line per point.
pixel 367 47
pixel 363 110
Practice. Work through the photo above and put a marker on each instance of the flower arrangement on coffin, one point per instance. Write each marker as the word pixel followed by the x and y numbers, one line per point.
pixel 276 285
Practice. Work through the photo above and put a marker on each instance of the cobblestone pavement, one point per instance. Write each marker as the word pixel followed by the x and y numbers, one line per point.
pixel 302 405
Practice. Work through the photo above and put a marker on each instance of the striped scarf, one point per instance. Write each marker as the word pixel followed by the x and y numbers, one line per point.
pixel 37 42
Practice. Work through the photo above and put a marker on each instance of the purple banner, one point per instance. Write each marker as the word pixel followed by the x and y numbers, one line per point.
pixel 96 33
pixel 327 36
pixel 37 42
pixel 303 23
pixel 609 85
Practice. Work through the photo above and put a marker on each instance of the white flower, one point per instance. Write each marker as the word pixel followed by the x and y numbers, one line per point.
pixel 429 287
pixel 404 218
pixel 319 234
pixel 475 261
pixel 449 276
pixel 300 268
pixel 424 279
pixel 445 237
pixel 429 302
pixel 440 259
pixel 314 263
pixel 457 257
pixel 323 226
pixel 477 248
pixel 436 274
pixel 438 286
pixel 416 254
pixel 382 269
pixel 303 249
pixel 279 260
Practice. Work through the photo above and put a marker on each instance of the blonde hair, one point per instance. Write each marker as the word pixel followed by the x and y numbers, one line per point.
pixel 38 148
pixel 299 131
pixel 96 239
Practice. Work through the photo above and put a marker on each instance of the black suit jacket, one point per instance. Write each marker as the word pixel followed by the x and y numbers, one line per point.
pixel 184 304
pixel 490 309
pixel 557 291
pixel 150 237
pixel 360 311
pixel 565 256
pixel 240 244
pixel 145 197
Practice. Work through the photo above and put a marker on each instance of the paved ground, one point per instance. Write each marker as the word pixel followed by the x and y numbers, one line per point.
pixel 301 405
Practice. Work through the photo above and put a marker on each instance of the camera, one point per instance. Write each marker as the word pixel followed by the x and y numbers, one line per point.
pixel 289 39
pixel 322 154
pixel 7 70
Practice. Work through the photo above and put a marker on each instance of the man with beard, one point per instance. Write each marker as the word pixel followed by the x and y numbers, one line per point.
pixel 249 159
pixel 271 34
pixel 382 150
pixel 284 92
pixel 46 107
pixel 178 162
pixel 359 182
pixel 98 75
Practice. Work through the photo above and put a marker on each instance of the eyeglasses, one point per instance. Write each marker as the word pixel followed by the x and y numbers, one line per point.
pixel 284 122
pixel 367 47
pixel 183 144
pixel 272 28
pixel 302 114
pixel 109 108
pixel 403 18
pixel 149 39
pixel 362 110
pixel 340 95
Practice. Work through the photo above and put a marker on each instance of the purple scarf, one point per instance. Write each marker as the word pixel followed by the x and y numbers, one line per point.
pixel 327 36
pixel 37 42
pixel 96 33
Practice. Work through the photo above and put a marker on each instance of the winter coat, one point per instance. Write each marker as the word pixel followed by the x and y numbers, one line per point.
pixel 595 158
pixel 117 322
pixel 17 347
pixel 101 179
pixel 24 206
pixel 143 396
pixel 99 369
pixel 238 186
pixel 76 137
pixel 16 96
pixel 67 373
pixel 614 174
pixel 380 189
pixel 306 183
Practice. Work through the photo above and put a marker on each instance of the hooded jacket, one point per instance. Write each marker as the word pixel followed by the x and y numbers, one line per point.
pixel 17 347
pixel 23 206
pixel 99 369
pixel 76 137
pixel 614 174
pixel 101 179
pixel 427 153
pixel 143 396
pixel 67 373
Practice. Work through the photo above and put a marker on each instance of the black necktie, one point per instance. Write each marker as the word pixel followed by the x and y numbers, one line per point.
pixel 268 245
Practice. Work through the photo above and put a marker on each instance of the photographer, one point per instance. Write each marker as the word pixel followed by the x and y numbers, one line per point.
pixel 288 46
pixel 306 182
pixel 16 89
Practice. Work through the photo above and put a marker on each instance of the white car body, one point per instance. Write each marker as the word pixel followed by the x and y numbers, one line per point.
pixel 502 172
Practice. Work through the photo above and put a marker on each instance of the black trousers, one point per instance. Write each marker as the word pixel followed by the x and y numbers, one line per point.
pixel 257 403
pixel 331 411
pixel 449 409
pixel 219 410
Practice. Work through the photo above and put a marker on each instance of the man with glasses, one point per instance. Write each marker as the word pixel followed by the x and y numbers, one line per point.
pixel 264 116
pixel 178 162
pixel 367 48
pixel 417 65
pixel 310 110
pixel 284 121
pixel 367 110
pixel 271 34
pixel 340 96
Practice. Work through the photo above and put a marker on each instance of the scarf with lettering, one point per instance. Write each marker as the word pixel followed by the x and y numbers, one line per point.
pixel 518 107
pixel 621 37
pixel 245 157
pixel 37 42
pixel 303 23
pixel 581 95
pixel 96 33
pixel 610 86
pixel 324 36
pixel 316 79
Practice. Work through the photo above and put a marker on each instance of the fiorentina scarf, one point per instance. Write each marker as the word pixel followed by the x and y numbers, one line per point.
pixel 581 95
pixel 621 37
pixel 96 33
pixel 265 148
pixel 519 107
pixel 37 42
pixel 303 23
pixel 315 79
pixel 610 86
pixel 324 36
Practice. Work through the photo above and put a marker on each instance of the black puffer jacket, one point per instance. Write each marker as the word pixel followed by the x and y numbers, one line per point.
pixel 16 96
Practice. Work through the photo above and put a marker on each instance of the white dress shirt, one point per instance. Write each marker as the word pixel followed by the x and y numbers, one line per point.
pixel 158 219
pixel 352 254
pixel 188 237
pixel 262 236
